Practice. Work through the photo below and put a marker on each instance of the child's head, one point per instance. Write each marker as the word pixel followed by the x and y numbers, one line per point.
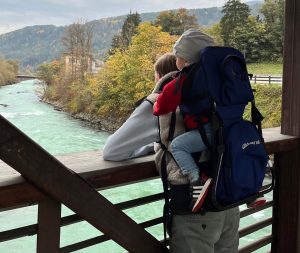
pixel 187 48
pixel 164 65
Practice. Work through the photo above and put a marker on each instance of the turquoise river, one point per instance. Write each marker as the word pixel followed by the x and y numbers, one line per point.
pixel 59 133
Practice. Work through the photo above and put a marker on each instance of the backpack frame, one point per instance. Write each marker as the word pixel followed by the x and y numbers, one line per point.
pixel 177 196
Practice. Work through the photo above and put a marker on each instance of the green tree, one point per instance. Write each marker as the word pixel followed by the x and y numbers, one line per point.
pixel 235 14
pixel 176 22
pixel 215 32
pixel 273 11
pixel 252 40
pixel 123 39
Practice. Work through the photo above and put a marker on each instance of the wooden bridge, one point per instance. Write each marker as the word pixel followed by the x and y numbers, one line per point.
pixel 16 192
pixel 33 163
pixel 23 77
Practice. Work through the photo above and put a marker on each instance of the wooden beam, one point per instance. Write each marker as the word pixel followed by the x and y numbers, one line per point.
pixel 48 234
pixel 290 122
pixel 64 185
pixel 15 191
pixel 286 211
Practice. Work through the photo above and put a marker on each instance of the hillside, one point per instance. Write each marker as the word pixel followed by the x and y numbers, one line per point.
pixel 42 43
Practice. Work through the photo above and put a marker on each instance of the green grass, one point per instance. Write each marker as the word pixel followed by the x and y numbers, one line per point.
pixel 274 69
pixel 268 101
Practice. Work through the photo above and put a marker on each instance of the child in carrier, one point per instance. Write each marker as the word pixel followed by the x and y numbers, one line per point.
pixel 187 51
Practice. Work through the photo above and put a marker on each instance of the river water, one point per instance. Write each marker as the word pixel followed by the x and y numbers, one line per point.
pixel 59 133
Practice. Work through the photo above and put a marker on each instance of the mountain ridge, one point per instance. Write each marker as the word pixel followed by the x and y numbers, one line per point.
pixel 33 45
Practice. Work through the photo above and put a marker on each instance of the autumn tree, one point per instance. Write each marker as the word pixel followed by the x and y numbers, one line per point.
pixel 128 76
pixel 77 43
pixel 49 72
pixel 235 14
pixel 176 22
pixel 8 71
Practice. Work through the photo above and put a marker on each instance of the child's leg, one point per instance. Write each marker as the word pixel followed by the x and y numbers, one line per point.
pixel 182 147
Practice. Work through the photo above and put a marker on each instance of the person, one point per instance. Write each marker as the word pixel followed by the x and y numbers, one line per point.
pixel 206 232
pixel 190 142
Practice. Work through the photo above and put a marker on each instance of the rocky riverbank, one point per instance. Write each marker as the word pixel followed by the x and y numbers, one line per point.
pixel 108 124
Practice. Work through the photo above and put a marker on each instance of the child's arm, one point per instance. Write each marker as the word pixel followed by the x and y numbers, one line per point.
pixel 168 100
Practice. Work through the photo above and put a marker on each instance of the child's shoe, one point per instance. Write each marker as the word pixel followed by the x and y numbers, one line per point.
pixel 199 192
pixel 257 202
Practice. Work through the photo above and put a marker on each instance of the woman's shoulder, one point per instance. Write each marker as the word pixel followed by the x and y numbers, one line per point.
pixel 165 80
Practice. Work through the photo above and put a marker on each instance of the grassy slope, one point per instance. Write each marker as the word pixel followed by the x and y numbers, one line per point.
pixel 268 101
pixel 274 69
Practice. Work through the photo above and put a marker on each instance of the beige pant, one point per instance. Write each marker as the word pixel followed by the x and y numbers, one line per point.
pixel 213 232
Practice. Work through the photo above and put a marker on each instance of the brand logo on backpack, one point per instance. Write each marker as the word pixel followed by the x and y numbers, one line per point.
pixel 245 145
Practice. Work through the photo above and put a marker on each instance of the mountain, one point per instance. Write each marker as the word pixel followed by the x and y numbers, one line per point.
pixel 34 45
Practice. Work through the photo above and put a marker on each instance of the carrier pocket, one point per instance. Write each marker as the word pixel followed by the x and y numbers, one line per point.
pixel 246 155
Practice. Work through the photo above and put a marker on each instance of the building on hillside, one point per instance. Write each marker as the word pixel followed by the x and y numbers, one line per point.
pixel 72 64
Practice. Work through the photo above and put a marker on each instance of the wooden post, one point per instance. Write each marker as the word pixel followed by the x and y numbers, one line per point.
pixel 48 235
pixel 286 229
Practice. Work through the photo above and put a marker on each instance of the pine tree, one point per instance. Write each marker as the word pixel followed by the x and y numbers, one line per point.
pixel 123 39
pixel 235 14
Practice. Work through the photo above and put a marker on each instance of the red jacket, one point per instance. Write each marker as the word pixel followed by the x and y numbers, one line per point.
pixel 168 101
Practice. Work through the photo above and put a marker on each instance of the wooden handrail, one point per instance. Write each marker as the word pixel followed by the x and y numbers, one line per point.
pixel 15 191
pixel 102 174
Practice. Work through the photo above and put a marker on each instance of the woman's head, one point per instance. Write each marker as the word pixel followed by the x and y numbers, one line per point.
pixel 164 65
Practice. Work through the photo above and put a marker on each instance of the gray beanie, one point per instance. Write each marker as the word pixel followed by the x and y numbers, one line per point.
pixel 190 43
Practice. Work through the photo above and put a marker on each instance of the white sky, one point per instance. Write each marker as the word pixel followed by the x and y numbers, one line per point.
pixel 16 14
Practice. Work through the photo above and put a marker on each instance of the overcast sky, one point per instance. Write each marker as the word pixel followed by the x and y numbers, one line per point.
pixel 16 14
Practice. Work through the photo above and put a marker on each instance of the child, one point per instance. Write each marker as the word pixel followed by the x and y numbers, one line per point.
pixel 187 51
pixel 165 66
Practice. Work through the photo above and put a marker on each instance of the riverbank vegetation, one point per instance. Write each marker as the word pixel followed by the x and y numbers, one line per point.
pixel 8 71
pixel 127 74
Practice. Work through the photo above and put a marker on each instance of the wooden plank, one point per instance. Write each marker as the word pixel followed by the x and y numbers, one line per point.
pixel 286 207
pixel 14 191
pixel 48 234
pixel 286 212
pixel 62 184
pixel 256 245
pixel 291 66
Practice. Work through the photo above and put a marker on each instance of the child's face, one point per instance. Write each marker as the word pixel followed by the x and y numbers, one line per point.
pixel 156 76
pixel 180 63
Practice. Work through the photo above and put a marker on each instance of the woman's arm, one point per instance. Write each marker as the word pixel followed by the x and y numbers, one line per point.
pixel 135 137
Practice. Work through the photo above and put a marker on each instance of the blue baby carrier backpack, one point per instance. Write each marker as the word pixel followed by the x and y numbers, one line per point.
pixel 218 87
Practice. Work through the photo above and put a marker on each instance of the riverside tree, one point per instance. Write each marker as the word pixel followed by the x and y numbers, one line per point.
pixel 77 42
pixel 8 71
pixel 128 75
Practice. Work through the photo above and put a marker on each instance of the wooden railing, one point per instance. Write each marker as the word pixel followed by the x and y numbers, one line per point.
pixel 15 192
pixel 266 79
